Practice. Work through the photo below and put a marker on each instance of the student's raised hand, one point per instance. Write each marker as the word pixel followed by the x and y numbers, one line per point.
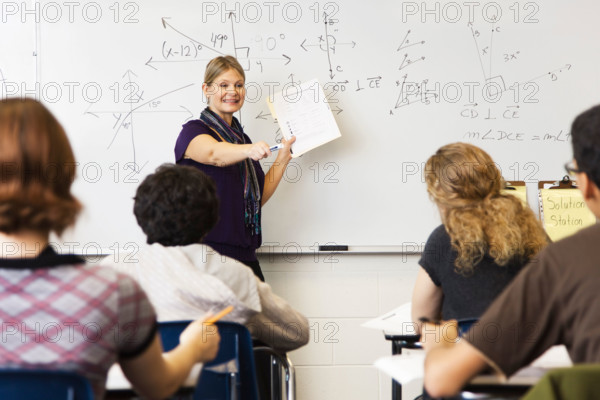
pixel 258 150
pixel 205 339
pixel 444 333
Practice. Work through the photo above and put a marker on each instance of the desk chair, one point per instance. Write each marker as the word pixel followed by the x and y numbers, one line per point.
pixel 580 382
pixel 231 374
pixel 44 384
pixel 400 342
pixel 279 368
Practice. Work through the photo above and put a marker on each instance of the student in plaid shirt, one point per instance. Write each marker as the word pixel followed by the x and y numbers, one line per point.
pixel 55 311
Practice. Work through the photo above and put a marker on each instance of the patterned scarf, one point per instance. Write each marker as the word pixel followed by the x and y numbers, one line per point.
pixel 235 134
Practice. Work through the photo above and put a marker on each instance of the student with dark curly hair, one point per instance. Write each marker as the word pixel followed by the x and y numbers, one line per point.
pixel 554 300
pixel 58 313
pixel 486 238
pixel 186 278
pixel 160 199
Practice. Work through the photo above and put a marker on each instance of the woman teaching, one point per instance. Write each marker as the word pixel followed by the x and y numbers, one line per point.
pixel 217 145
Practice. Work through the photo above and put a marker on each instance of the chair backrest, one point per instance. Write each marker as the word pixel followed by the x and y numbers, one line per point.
pixel 231 375
pixel 465 324
pixel 44 384
pixel 580 381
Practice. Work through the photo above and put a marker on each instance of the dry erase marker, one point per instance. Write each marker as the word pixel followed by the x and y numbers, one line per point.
pixel 276 147
pixel 219 315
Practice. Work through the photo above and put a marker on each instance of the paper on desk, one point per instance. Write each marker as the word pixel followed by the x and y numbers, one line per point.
pixel 116 379
pixel 302 111
pixel 397 322
pixel 404 368
pixel 554 357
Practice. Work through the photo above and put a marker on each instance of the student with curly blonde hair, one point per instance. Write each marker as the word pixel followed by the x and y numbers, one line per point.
pixel 485 240
pixel 553 301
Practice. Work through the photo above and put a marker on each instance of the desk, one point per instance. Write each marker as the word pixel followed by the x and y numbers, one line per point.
pixel 118 387
pixel 516 385
pixel 400 342
pixel 523 379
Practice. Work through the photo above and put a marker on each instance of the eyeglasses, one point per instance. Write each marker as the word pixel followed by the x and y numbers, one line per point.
pixel 571 169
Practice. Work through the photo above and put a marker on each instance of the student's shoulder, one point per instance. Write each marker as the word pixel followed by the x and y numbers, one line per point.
pixel 440 231
pixel 106 279
pixel 235 275
pixel 584 239
pixel 103 281
pixel 579 248
pixel 438 236
pixel 211 260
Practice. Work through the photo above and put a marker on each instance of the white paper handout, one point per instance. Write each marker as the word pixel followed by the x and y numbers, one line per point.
pixel 396 322
pixel 404 368
pixel 302 111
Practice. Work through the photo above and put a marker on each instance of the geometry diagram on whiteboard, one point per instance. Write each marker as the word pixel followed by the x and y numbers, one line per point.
pixel 494 87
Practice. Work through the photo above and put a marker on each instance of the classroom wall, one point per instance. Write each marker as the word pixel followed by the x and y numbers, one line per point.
pixel 338 293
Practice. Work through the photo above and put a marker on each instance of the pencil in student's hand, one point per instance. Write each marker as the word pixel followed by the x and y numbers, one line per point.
pixel 219 315
pixel 426 320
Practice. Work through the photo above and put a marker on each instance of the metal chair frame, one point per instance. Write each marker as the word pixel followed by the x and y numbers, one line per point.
pixel 282 369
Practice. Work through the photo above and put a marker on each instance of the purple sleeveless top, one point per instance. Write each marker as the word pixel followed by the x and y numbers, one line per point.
pixel 230 236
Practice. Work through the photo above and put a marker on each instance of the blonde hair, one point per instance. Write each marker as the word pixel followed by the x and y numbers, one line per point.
pixel 465 183
pixel 219 65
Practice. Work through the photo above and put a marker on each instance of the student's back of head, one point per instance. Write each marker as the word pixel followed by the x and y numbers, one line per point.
pixel 466 185
pixel 37 170
pixel 176 206
pixel 585 138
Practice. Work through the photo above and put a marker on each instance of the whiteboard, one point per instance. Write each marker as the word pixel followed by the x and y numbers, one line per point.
pixel 402 79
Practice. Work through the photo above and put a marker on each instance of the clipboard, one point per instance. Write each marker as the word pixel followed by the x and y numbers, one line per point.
pixel 564 183
pixel 518 189
pixel 562 208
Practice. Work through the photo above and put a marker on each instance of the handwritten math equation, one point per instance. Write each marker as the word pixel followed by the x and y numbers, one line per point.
pixel 330 46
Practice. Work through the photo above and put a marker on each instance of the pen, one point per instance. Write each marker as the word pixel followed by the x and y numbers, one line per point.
pixel 219 315
pixel 426 320
pixel 276 147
